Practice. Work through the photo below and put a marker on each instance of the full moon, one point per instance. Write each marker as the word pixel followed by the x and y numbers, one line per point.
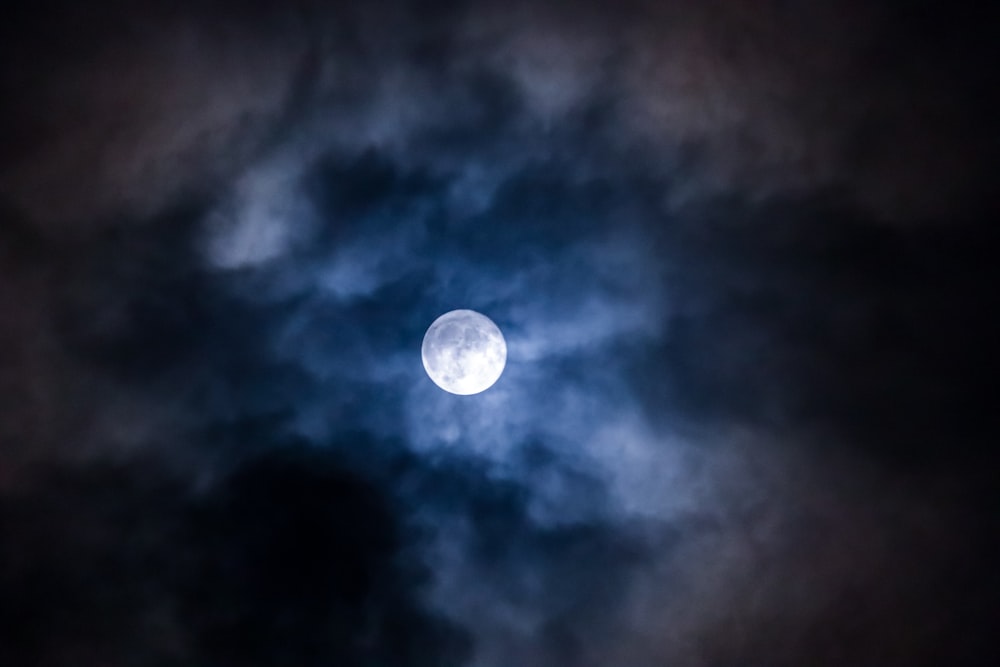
pixel 464 352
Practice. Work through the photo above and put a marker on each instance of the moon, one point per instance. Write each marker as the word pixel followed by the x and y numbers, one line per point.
pixel 464 352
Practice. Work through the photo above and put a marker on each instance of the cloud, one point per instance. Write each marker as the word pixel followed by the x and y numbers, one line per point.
pixel 743 420
pixel 286 557
pixel 124 122
pixel 781 100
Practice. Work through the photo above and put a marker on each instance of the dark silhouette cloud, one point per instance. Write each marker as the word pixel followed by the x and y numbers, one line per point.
pixel 285 560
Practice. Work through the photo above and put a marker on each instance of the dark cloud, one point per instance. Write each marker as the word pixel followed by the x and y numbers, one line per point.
pixel 889 103
pixel 286 559
pixel 871 331
pixel 743 260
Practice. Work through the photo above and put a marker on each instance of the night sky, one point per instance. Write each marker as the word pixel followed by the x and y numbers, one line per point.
pixel 744 255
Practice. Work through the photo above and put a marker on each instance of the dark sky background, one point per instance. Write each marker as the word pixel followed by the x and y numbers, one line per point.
pixel 744 255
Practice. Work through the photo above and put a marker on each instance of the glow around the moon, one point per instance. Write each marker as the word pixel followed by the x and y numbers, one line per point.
pixel 464 352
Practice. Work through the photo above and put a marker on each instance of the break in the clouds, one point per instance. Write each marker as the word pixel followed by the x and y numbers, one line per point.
pixel 741 256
